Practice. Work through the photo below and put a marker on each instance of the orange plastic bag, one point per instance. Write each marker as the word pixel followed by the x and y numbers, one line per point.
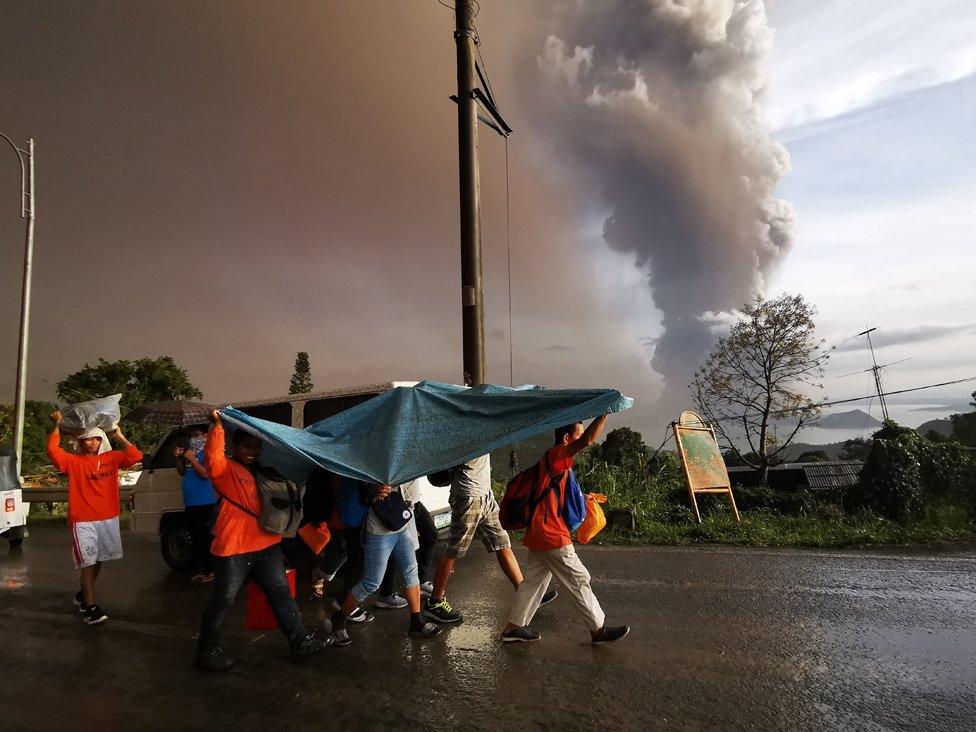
pixel 316 536
pixel 595 520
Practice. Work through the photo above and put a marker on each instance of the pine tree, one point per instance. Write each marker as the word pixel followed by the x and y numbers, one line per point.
pixel 301 380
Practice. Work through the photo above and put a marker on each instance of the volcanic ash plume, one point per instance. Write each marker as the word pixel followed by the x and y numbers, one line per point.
pixel 657 101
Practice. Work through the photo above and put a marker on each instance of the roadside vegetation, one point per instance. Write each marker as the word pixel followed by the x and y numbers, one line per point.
pixel 912 491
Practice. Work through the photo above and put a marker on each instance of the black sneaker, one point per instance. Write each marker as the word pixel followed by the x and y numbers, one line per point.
pixel 93 615
pixel 548 597
pixel 78 602
pixel 213 659
pixel 361 616
pixel 440 611
pixel 309 646
pixel 520 635
pixel 341 638
pixel 427 630
pixel 609 634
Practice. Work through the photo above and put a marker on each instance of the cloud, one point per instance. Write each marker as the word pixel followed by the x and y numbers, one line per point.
pixel 885 337
pixel 657 104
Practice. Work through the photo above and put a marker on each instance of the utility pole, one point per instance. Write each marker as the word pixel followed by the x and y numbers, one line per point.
pixel 876 370
pixel 26 212
pixel 472 300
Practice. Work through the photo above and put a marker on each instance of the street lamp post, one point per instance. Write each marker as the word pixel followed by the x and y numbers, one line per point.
pixel 26 158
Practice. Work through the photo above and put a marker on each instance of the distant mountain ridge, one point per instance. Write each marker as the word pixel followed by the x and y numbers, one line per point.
pixel 852 420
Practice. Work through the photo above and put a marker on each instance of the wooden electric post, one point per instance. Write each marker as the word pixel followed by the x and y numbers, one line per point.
pixel 472 301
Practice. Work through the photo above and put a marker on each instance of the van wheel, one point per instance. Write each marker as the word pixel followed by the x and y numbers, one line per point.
pixel 176 545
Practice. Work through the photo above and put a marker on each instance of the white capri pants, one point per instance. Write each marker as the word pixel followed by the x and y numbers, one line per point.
pixel 563 564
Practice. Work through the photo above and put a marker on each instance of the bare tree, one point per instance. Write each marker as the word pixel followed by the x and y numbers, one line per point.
pixel 760 372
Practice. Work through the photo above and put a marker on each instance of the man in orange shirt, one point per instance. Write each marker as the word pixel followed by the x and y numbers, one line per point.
pixel 242 550
pixel 93 504
pixel 550 546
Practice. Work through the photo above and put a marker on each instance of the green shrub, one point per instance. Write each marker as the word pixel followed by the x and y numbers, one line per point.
pixel 906 473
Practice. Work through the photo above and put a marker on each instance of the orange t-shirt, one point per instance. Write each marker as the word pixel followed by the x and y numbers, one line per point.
pixel 93 480
pixel 548 531
pixel 235 531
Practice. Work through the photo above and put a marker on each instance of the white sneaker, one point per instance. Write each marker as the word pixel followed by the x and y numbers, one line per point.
pixel 426 588
pixel 391 602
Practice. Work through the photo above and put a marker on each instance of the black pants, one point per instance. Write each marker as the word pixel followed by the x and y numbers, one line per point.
pixel 199 522
pixel 427 533
pixel 267 569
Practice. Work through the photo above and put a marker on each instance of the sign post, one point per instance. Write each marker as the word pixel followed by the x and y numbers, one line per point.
pixel 701 460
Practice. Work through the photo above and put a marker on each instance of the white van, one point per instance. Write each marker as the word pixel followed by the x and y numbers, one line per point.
pixel 157 510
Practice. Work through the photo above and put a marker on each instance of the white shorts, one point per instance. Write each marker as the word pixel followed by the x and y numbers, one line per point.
pixel 95 541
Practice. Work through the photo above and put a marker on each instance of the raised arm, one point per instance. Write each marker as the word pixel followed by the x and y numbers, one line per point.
pixel 196 465
pixel 178 461
pixel 214 452
pixel 590 435
pixel 58 455
pixel 130 453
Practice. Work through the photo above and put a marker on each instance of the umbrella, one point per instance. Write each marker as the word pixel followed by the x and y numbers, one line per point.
pixel 171 413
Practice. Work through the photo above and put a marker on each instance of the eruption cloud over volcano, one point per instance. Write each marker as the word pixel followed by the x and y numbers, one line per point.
pixel 657 102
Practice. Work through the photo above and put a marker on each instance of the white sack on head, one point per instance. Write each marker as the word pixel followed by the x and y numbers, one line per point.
pixel 93 432
pixel 103 413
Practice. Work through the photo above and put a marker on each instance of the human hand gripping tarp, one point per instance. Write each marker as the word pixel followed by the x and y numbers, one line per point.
pixel 409 432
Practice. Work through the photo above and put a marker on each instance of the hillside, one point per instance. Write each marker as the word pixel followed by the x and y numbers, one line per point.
pixel 853 420
pixel 939 426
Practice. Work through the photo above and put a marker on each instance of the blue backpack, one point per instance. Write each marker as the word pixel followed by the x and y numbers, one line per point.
pixel 353 505
pixel 574 506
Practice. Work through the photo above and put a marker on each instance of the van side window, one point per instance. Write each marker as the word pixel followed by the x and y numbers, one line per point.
pixel 163 457
pixel 280 412
pixel 318 409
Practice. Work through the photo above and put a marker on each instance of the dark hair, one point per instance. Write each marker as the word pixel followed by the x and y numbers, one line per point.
pixel 240 435
pixel 561 432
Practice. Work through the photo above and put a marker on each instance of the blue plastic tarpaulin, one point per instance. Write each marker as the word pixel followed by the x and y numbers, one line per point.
pixel 409 432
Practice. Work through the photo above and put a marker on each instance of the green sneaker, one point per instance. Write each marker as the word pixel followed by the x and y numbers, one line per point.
pixel 440 611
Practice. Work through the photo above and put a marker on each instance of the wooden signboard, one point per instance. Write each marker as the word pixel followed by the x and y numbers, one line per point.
pixel 701 459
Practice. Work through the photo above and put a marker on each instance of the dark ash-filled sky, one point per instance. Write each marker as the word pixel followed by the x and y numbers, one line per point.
pixel 229 183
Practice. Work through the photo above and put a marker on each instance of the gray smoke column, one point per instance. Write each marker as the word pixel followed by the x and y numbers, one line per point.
pixel 657 102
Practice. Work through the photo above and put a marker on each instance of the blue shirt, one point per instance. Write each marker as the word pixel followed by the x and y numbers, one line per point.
pixel 197 491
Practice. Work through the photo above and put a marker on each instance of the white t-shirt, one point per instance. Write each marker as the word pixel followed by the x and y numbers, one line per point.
pixel 473 479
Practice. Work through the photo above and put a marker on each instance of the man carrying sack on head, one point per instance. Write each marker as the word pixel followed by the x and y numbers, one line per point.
pixel 93 504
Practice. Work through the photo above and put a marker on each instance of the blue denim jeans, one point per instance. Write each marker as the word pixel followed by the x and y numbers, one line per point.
pixel 377 550
pixel 267 569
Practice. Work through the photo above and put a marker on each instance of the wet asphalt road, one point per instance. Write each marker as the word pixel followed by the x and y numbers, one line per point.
pixel 721 639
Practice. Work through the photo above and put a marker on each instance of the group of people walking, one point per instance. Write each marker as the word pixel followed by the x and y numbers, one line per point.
pixel 223 508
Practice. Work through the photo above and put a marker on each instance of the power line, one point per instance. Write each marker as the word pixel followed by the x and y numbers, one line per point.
pixel 854 399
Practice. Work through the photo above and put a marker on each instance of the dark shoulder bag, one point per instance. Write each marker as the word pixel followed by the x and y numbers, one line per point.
pixel 392 511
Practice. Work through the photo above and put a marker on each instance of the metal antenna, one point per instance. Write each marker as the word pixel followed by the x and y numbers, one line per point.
pixel 876 370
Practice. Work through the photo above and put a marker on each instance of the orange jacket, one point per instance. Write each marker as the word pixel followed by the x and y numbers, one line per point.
pixel 235 531
pixel 93 480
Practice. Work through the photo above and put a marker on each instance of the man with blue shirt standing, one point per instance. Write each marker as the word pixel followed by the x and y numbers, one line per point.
pixel 198 502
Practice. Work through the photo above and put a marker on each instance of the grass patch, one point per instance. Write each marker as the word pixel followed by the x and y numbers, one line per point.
pixel 657 495
pixel 761 528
